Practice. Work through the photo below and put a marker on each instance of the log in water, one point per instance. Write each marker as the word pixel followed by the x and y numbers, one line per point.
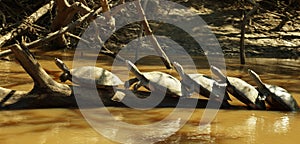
pixel 229 126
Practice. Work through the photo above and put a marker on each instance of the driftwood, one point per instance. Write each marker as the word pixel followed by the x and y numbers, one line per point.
pixel 48 93
pixel 105 6
pixel 53 35
pixel 45 88
pixel 26 23
pixel 64 15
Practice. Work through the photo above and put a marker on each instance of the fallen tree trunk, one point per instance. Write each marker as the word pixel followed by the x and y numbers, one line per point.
pixel 45 88
pixel 48 93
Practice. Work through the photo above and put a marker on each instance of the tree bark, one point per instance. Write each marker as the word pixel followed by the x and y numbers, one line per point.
pixel 45 88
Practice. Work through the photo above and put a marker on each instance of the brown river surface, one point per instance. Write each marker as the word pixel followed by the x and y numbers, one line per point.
pixel 55 126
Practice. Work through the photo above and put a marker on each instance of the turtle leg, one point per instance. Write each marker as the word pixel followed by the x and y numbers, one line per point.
pixel 129 82
pixel 260 102
pixel 137 86
pixel 219 94
pixel 187 90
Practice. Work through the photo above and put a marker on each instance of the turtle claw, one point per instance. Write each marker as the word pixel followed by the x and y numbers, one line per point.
pixel 187 92
pixel 136 87
pixel 127 85
pixel 130 82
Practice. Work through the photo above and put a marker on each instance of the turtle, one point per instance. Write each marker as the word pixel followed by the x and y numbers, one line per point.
pixel 87 75
pixel 154 81
pixel 277 97
pixel 203 83
pixel 242 90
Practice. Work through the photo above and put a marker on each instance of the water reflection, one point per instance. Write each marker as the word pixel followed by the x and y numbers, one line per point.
pixel 251 123
pixel 281 125
pixel 140 129
pixel 204 131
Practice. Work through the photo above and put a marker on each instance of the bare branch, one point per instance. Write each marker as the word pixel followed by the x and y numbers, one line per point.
pixel 27 21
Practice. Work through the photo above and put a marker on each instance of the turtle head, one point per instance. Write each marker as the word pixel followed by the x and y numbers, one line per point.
pixel 61 65
pixel 133 68
pixel 136 71
pixel 185 79
pixel 216 71
pixel 179 69
pixel 219 94
pixel 254 76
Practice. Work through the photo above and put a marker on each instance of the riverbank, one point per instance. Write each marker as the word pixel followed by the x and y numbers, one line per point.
pixel 223 19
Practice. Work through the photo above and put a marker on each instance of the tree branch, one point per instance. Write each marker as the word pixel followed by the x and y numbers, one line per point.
pixel 26 22
pixel 153 39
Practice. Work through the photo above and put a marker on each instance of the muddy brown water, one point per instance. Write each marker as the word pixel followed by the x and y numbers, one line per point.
pixel 47 126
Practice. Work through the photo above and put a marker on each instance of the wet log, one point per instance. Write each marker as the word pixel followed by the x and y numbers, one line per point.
pixel 45 88
pixel 9 96
pixel 26 23
pixel 48 93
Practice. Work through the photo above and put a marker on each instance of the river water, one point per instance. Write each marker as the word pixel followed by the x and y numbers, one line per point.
pixel 48 126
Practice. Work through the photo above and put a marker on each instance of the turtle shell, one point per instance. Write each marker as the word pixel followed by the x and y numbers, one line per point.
pixel 88 74
pixel 279 98
pixel 240 89
pixel 160 80
pixel 244 88
pixel 205 82
pixel 246 93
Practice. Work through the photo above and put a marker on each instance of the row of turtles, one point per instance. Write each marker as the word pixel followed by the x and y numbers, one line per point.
pixel 254 97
